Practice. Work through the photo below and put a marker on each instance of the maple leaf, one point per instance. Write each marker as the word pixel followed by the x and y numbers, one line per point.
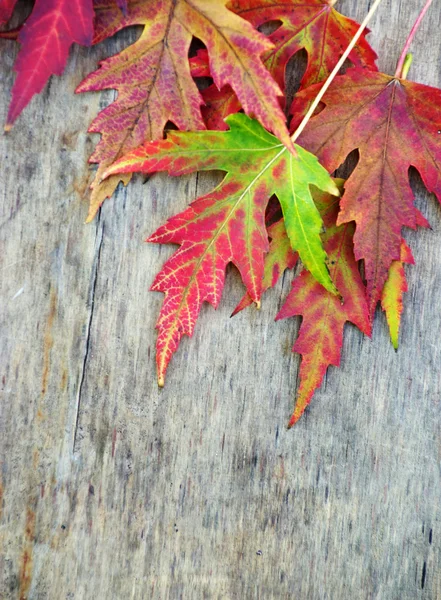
pixel 312 25
pixel 154 82
pixel 392 123
pixel 46 37
pixel 6 9
pixel 324 315
pixel 228 224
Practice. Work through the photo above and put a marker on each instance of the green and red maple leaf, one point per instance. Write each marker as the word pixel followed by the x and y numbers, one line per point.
pixel 391 122
pixel 228 224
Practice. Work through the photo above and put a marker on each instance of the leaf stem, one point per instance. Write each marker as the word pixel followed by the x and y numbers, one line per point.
pixel 336 69
pixel 406 66
pixel 402 59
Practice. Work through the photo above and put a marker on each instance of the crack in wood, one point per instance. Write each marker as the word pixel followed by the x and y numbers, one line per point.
pixel 91 302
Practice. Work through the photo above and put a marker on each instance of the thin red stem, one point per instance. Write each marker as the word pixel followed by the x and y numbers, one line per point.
pixel 409 40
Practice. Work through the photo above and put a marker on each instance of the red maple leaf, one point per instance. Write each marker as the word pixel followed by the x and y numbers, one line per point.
pixel 46 37
pixel 312 25
pixel 394 124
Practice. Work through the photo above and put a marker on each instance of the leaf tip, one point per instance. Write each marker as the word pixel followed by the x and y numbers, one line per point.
pixel 303 400
pixel 93 210
pixel 8 127
pixel 330 287
pixel 161 381
pixel 293 420
pixel 91 215
pixel 336 192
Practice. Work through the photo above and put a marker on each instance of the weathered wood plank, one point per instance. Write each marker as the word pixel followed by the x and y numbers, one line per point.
pixel 114 489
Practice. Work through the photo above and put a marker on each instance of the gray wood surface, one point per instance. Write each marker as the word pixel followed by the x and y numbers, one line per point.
pixel 113 489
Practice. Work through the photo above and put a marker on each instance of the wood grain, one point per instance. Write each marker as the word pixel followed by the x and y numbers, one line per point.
pixel 111 488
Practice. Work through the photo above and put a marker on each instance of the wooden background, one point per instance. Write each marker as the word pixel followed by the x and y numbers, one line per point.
pixel 113 489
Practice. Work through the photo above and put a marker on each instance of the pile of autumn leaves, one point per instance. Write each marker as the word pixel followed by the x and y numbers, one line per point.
pixel 277 202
